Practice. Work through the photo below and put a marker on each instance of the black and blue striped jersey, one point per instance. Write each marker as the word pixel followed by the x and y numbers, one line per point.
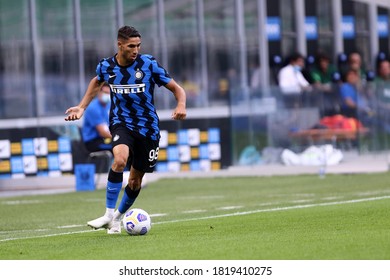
pixel 132 92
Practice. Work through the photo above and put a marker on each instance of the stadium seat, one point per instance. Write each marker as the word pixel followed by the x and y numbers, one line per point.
pixel 102 160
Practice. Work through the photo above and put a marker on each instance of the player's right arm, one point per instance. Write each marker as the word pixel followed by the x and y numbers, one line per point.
pixel 76 112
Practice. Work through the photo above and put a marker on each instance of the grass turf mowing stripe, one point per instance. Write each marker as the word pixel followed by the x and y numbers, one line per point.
pixel 220 216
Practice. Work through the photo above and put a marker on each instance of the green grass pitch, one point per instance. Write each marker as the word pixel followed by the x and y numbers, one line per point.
pixel 340 217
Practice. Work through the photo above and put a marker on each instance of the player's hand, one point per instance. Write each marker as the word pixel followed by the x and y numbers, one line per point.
pixel 179 113
pixel 74 113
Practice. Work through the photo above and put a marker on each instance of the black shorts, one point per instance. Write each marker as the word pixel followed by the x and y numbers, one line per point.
pixel 143 151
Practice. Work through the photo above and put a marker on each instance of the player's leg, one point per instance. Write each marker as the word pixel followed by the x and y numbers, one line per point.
pixel 144 155
pixel 131 190
pixel 114 186
pixel 115 176
pixel 130 194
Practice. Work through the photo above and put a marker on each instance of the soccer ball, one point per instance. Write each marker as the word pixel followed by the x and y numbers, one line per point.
pixel 137 222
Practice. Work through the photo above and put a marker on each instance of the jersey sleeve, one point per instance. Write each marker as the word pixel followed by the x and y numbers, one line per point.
pixel 160 76
pixel 99 73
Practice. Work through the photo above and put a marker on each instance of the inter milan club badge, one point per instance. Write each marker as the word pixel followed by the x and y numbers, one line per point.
pixel 138 74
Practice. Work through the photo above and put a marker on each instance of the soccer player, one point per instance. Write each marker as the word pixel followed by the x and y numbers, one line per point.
pixel 134 123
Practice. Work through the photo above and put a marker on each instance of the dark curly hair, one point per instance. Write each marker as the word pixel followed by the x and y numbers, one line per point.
pixel 126 32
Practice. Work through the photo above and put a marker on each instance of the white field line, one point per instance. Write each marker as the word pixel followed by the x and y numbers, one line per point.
pixel 280 209
pixel 70 226
pixel 194 211
pixel 301 200
pixel 47 235
pixel 158 215
pixel 226 215
pixel 17 202
pixel 230 207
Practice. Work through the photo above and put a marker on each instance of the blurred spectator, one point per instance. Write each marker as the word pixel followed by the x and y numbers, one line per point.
pixel 322 75
pixel 95 131
pixel 192 90
pixel 223 88
pixel 383 72
pixel 292 82
pixel 229 86
pixel 353 102
pixel 380 57
pixel 355 63
pixel 382 91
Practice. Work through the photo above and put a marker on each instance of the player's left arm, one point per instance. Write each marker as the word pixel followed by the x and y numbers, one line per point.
pixel 180 111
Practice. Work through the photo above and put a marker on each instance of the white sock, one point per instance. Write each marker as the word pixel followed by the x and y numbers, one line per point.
pixel 109 212
pixel 117 215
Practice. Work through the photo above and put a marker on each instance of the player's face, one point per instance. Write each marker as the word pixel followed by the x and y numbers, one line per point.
pixel 129 49
pixel 384 70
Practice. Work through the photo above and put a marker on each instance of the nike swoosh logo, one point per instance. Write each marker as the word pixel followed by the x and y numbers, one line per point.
pixel 111 76
pixel 153 165
pixel 111 189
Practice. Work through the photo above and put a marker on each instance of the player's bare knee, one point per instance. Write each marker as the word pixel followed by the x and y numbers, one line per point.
pixel 119 163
